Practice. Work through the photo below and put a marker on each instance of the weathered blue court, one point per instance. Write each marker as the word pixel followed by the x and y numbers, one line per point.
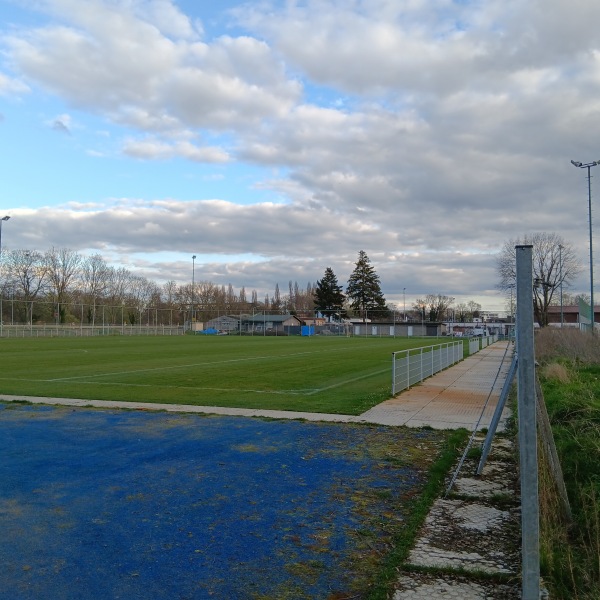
pixel 128 504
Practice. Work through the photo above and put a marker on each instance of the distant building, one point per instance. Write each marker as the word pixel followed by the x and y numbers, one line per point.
pixel 264 323
pixel 571 316
pixel 226 323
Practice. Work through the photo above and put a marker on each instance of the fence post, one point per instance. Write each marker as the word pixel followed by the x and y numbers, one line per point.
pixel 530 548
pixel 393 373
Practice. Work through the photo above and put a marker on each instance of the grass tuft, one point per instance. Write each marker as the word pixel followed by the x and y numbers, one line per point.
pixel 570 378
pixel 556 371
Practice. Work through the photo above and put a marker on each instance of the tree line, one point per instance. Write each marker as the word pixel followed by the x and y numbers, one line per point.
pixel 62 286
pixel 364 299
pixel 59 284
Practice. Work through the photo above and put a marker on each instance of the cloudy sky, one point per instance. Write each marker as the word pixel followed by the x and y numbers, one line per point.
pixel 275 138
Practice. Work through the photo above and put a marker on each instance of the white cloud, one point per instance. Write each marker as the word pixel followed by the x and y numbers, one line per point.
pixel 109 60
pixel 426 132
pixel 10 86
pixel 155 149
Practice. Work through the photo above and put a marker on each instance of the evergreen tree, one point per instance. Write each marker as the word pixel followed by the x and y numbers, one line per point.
pixel 329 298
pixel 364 289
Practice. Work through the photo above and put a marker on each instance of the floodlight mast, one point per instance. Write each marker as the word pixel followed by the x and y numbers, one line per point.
pixel 192 327
pixel 588 166
pixel 5 218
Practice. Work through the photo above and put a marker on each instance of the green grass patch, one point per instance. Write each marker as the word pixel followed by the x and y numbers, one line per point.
pixel 571 555
pixel 318 374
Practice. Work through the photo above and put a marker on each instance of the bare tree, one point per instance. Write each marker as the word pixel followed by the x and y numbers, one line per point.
pixel 433 306
pixel 474 308
pixel 117 292
pixel 242 299
pixel 169 293
pixel 438 305
pixel 26 276
pixel 276 302
pixel 554 263
pixel 95 276
pixel 141 294
pixel 62 268
pixel 461 313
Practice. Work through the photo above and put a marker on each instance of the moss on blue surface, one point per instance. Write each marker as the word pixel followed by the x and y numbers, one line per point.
pixel 108 504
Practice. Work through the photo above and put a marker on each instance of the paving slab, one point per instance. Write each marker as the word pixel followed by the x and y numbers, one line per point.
pixel 474 531
pixel 429 587
pixel 463 395
pixel 466 535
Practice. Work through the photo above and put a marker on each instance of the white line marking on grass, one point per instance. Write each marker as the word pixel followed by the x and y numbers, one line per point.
pixel 346 381
pixel 306 392
pixel 220 362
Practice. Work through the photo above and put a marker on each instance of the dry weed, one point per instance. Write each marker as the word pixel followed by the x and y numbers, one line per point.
pixel 552 343
pixel 556 371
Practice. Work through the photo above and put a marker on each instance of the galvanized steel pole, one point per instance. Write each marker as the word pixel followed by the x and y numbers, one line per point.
pixel 588 166
pixel 530 547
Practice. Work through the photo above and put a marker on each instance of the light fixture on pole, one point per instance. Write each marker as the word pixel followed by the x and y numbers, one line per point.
pixel 193 283
pixel 588 166
pixel 404 299
pixel 5 218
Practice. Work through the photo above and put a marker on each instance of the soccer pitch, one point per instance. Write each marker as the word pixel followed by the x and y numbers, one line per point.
pixel 314 374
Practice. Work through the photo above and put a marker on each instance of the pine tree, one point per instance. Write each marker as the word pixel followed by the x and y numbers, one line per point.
pixel 364 289
pixel 329 298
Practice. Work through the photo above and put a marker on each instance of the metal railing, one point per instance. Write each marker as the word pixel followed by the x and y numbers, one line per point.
pixel 415 365
pixel 473 346
pixel 479 343
pixel 35 331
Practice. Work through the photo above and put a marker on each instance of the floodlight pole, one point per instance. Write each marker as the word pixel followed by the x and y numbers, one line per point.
pixel 588 166
pixel 193 273
pixel 560 270
pixel 5 218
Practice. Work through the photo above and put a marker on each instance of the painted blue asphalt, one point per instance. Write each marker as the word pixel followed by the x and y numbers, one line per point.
pixel 114 504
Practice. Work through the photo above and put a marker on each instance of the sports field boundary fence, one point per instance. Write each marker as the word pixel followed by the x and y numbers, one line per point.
pixel 414 365
pixel 64 331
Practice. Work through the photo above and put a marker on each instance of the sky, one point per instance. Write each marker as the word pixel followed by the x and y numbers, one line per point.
pixel 273 139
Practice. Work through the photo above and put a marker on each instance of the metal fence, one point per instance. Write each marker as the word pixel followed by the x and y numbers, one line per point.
pixel 38 331
pixel 479 343
pixel 473 346
pixel 415 365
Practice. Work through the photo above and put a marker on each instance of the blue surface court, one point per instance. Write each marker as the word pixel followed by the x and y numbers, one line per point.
pixel 129 504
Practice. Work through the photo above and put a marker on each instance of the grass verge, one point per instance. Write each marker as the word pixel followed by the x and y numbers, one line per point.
pixel 405 540
pixel 571 383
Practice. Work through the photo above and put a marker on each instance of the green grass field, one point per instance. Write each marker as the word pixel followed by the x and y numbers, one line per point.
pixel 318 374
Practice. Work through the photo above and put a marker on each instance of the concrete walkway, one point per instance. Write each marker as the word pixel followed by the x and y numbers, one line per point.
pixel 451 399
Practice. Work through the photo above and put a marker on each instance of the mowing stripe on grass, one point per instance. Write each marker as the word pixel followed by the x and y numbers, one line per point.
pixel 188 366
pixel 316 375
pixel 346 381
pixel 302 392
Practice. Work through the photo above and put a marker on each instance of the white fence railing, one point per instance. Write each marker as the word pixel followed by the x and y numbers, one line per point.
pixel 415 365
pixel 473 346
pixel 30 331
